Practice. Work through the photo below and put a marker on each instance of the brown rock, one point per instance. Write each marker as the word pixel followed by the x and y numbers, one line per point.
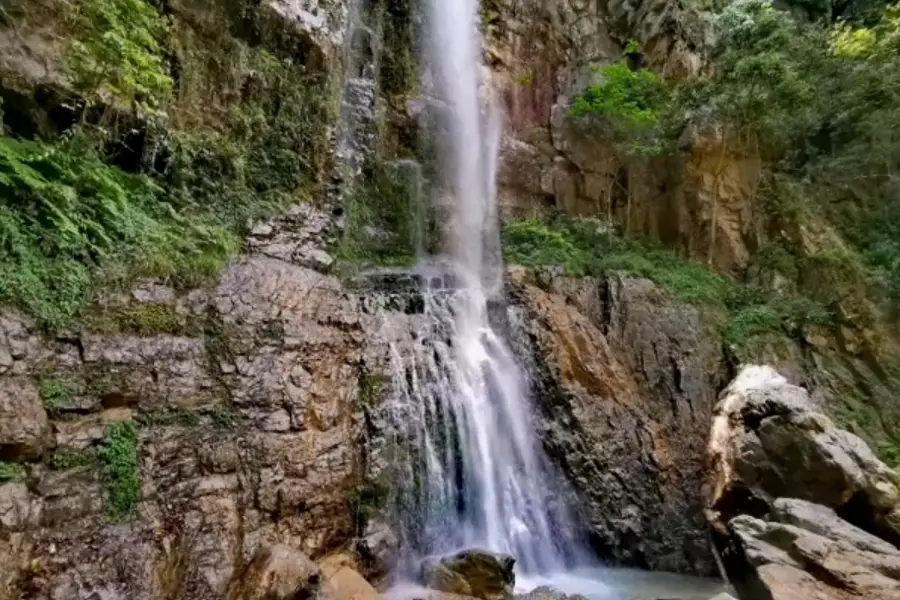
pixel 24 428
pixel 277 573
pixel 472 573
pixel 626 383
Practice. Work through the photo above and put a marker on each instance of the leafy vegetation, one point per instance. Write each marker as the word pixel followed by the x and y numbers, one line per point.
pixel 10 472
pixel 56 394
pixel 632 102
pixel 119 54
pixel 63 461
pixel 120 469
pixel 586 247
pixel 126 192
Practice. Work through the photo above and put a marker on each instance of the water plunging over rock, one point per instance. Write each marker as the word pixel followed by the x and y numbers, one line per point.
pixel 471 471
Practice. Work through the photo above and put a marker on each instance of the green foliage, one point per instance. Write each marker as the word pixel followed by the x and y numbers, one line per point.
pixel 366 502
pixel 119 54
pixel 65 216
pixel 120 468
pixel 632 103
pixel 56 394
pixel 380 221
pixel 63 461
pixel 371 389
pixel 585 247
pixel 168 417
pixel 11 472
pixel 270 153
pixel 141 319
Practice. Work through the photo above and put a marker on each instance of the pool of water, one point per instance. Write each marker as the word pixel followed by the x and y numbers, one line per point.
pixel 598 584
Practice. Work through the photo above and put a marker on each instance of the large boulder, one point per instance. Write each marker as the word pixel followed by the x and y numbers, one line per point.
pixel 769 441
pixel 472 573
pixel 278 573
pixel 802 508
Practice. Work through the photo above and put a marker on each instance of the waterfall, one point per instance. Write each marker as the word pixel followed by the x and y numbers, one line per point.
pixel 472 473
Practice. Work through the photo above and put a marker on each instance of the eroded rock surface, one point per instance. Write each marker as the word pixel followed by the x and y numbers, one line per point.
pixel 472 573
pixel 626 382
pixel 809 510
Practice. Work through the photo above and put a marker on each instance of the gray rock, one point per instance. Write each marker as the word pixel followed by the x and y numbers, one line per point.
pixel 769 440
pixel 473 573
pixel 24 428
pixel 377 548
pixel 626 382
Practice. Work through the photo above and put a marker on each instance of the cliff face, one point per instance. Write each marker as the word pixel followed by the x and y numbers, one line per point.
pixel 155 442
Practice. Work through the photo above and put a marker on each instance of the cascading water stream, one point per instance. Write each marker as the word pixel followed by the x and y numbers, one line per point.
pixel 475 475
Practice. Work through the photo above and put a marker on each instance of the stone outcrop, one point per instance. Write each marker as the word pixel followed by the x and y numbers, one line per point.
pixel 247 436
pixel 803 509
pixel 471 573
pixel 626 380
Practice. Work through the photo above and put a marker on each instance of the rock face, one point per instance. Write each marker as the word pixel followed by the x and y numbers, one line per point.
pixel 808 509
pixel 247 425
pixel 472 573
pixel 626 383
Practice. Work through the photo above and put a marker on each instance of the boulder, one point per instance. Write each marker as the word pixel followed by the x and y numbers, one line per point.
pixel 278 573
pixel 769 440
pixel 377 548
pixel 472 573
pixel 803 509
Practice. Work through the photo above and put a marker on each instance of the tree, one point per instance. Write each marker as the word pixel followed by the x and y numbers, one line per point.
pixel 630 105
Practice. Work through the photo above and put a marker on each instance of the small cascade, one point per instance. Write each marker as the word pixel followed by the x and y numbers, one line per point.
pixel 355 137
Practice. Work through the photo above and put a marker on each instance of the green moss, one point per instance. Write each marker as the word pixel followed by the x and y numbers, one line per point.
pixel 585 247
pixel 167 417
pixel 57 394
pixel 120 469
pixel 367 501
pixel 63 461
pixel 380 224
pixel 141 319
pixel 372 388
pixel 11 472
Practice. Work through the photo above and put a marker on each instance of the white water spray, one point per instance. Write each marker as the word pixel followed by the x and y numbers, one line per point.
pixel 476 476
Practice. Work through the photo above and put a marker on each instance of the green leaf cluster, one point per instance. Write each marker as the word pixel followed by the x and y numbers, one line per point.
pixel 632 102
pixel 120 469
pixel 65 215
pixel 118 54
pixel 586 247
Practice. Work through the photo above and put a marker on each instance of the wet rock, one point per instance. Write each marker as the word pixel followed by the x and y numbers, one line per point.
pixel 625 382
pixel 377 548
pixel 24 428
pixel 347 584
pixel 545 592
pixel 278 573
pixel 472 573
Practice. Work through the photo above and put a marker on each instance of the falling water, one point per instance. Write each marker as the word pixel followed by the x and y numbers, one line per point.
pixel 474 474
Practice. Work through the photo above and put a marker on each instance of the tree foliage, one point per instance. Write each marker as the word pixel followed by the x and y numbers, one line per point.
pixel 632 103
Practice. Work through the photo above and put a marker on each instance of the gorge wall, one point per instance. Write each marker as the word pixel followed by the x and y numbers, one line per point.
pixel 173 426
